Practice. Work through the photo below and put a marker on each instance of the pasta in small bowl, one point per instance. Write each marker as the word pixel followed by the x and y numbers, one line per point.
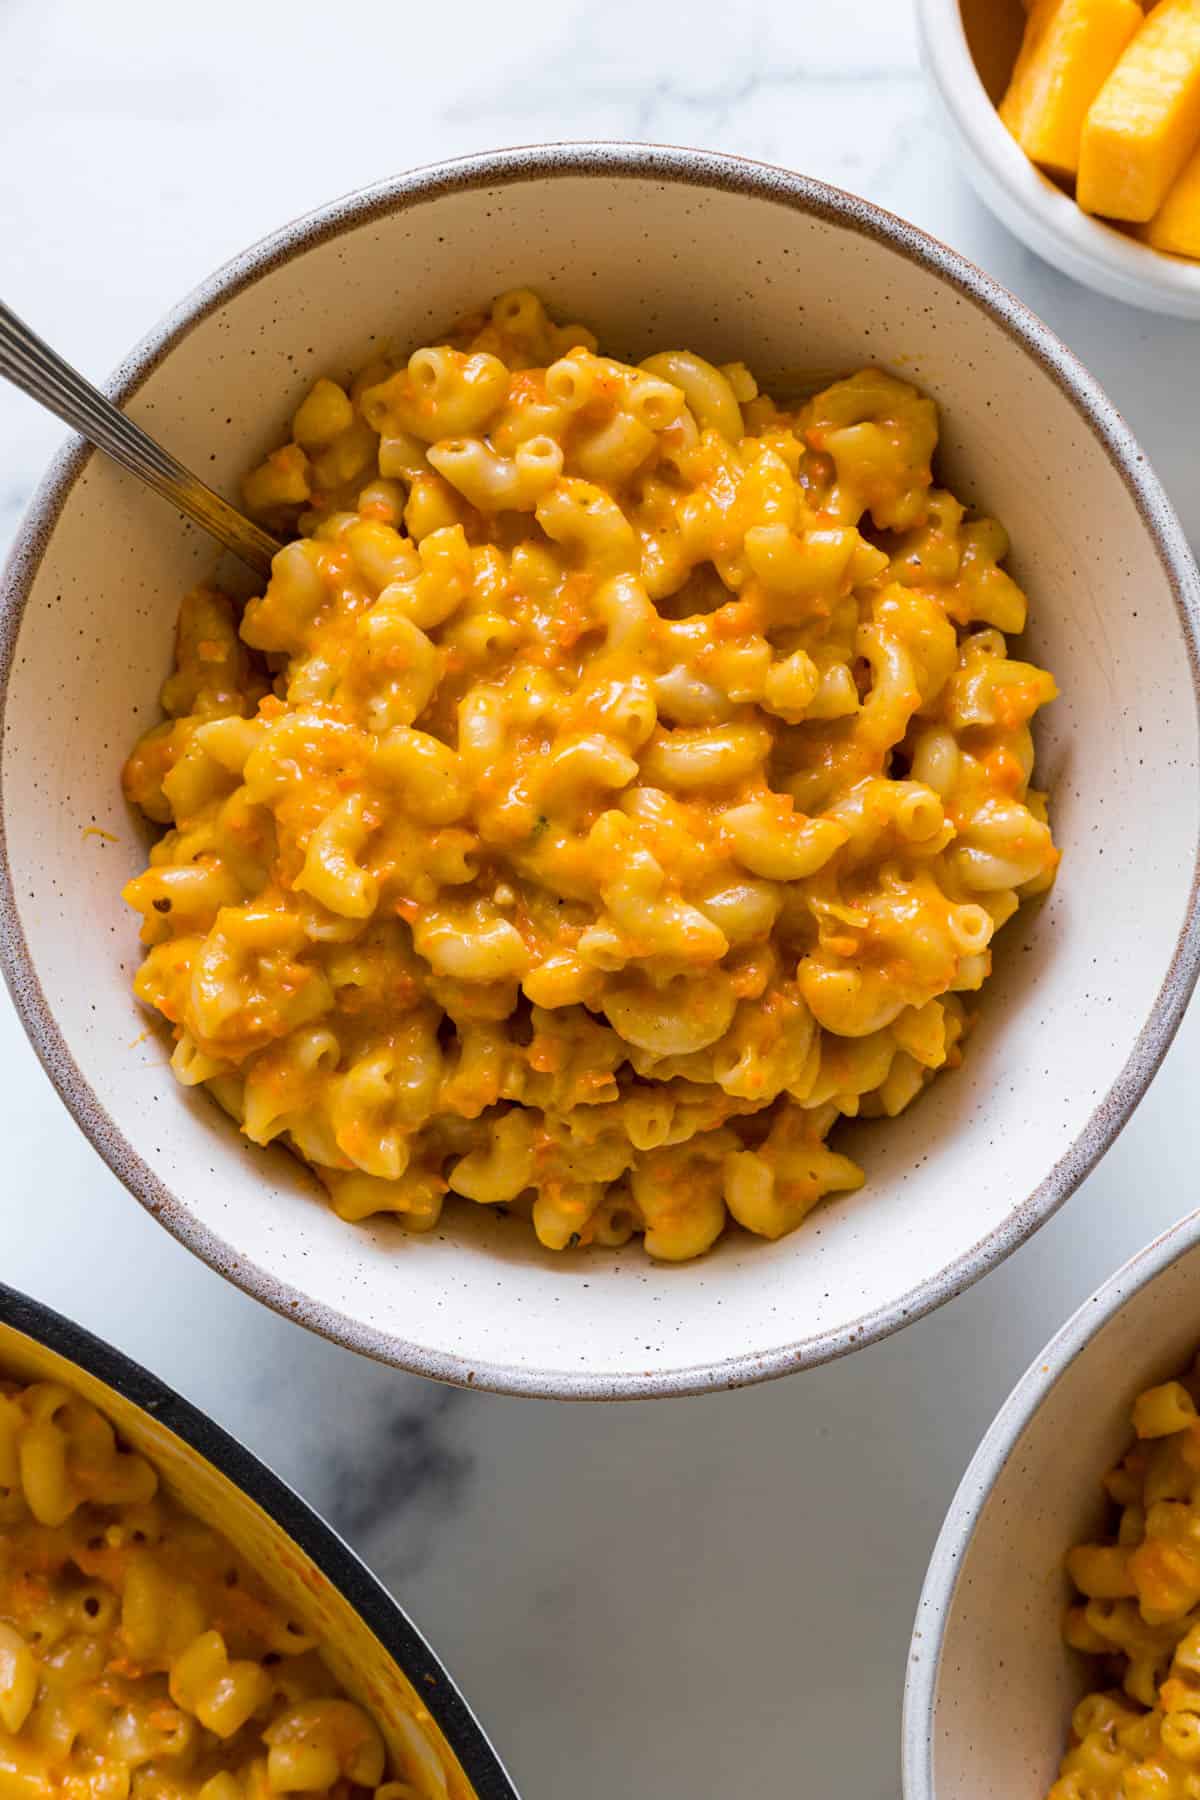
pixel 174 1619
pixel 630 813
pixel 1056 1652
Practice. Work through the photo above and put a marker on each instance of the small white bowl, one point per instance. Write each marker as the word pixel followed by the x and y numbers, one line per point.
pixel 969 47
pixel 653 247
pixel 991 1685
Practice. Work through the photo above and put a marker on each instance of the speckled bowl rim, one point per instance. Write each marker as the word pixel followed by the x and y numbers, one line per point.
pixel 331 1554
pixel 1116 265
pixel 984 1470
pixel 701 170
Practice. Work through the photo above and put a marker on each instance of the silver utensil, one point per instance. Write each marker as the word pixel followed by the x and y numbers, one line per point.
pixel 40 372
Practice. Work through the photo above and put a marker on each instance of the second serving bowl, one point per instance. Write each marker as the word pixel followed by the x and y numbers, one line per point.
pixel 651 247
pixel 969 49
pixel 991 1684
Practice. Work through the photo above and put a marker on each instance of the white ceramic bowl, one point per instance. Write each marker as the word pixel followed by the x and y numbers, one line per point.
pixel 969 47
pixel 371 1646
pixel 991 1685
pixel 653 247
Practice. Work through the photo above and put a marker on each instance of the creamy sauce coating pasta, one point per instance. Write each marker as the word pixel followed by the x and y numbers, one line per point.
pixel 619 781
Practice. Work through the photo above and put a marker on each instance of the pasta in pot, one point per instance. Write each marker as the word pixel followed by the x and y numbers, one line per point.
pixel 141 1658
pixel 620 780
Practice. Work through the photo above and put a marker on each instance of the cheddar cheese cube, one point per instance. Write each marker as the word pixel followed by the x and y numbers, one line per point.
pixel 1069 49
pixel 1145 122
pixel 1175 227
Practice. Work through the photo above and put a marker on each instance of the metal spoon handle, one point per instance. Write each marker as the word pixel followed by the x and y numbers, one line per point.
pixel 31 365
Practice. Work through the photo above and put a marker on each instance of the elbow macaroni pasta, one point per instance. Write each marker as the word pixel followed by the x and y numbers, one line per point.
pixel 140 1657
pixel 619 781
pixel 1139 1610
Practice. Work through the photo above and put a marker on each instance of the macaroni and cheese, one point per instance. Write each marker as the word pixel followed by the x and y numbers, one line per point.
pixel 620 780
pixel 140 1657
pixel 1140 1610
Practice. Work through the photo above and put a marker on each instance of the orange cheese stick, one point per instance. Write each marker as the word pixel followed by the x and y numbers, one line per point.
pixel 1068 52
pixel 1175 227
pixel 1145 121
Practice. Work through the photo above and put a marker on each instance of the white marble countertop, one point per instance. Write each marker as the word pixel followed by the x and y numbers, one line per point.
pixel 701 1598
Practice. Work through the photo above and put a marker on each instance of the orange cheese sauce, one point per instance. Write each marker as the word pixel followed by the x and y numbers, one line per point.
pixel 619 780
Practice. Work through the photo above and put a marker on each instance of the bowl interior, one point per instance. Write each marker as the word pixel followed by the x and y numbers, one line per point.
pixel 1006 1683
pixel 361 1663
pixel 734 265
pixel 993 29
